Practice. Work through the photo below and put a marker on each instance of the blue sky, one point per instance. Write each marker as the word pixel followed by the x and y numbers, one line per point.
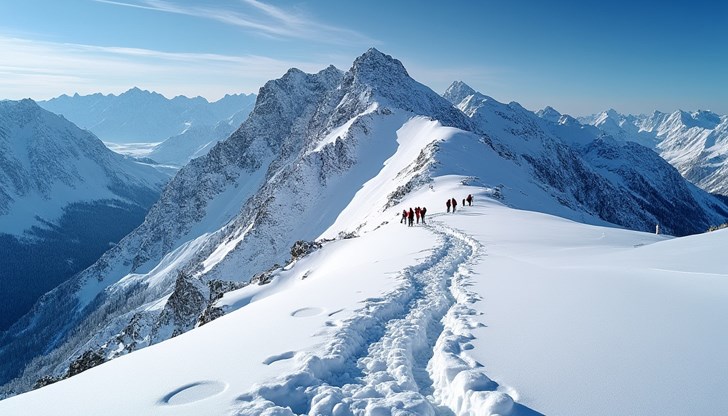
pixel 580 57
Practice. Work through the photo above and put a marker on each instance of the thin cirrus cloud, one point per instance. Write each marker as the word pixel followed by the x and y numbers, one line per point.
pixel 259 18
pixel 40 70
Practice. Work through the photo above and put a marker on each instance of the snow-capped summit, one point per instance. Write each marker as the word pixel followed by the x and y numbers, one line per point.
pixel 550 114
pixel 386 81
pixel 457 91
pixel 63 194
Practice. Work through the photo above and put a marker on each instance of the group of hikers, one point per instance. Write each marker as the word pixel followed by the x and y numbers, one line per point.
pixel 453 203
pixel 410 216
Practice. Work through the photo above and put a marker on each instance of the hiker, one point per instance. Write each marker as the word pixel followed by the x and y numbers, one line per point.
pixel 423 211
pixel 469 199
pixel 417 214
pixel 411 216
pixel 454 204
pixel 404 217
pixel 463 201
pixel 449 201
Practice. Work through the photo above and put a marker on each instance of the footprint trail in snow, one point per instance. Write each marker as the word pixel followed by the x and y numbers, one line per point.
pixel 404 353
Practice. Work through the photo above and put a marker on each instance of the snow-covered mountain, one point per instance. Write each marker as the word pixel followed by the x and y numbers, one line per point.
pixel 330 156
pixel 588 172
pixel 196 141
pixel 696 143
pixel 64 198
pixel 143 116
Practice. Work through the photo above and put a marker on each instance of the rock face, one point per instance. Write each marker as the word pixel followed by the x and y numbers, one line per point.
pixel 64 198
pixel 695 143
pixel 286 175
pixel 143 116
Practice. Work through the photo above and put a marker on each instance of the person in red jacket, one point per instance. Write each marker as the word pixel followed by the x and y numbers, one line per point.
pixel 417 214
pixel 454 204
pixel 448 203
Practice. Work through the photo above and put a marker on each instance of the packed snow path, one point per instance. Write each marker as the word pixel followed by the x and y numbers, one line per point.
pixel 397 355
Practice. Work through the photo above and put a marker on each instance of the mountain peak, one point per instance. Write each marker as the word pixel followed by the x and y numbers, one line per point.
pixel 374 62
pixel 550 114
pixel 612 113
pixel 457 91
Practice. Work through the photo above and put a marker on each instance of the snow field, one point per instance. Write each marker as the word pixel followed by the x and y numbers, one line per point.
pixel 581 319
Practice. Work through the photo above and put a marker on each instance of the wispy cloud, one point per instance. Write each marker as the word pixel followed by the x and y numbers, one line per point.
pixel 41 70
pixel 259 18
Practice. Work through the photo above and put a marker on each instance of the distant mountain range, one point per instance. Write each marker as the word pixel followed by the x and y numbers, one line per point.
pixel 142 116
pixel 328 156
pixel 64 200
pixel 696 143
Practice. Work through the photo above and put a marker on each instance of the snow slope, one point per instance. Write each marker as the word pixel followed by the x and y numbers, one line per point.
pixel 541 315
pixel 49 163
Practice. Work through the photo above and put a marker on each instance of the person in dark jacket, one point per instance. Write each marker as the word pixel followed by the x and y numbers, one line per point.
pixel 411 217
pixel 417 214
pixel 469 199
pixel 423 211
pixel 448 203
pixel 454 204
pixel 404 217
pixel 463 201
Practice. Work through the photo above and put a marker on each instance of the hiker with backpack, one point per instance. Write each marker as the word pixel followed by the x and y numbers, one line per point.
pixel 448 203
